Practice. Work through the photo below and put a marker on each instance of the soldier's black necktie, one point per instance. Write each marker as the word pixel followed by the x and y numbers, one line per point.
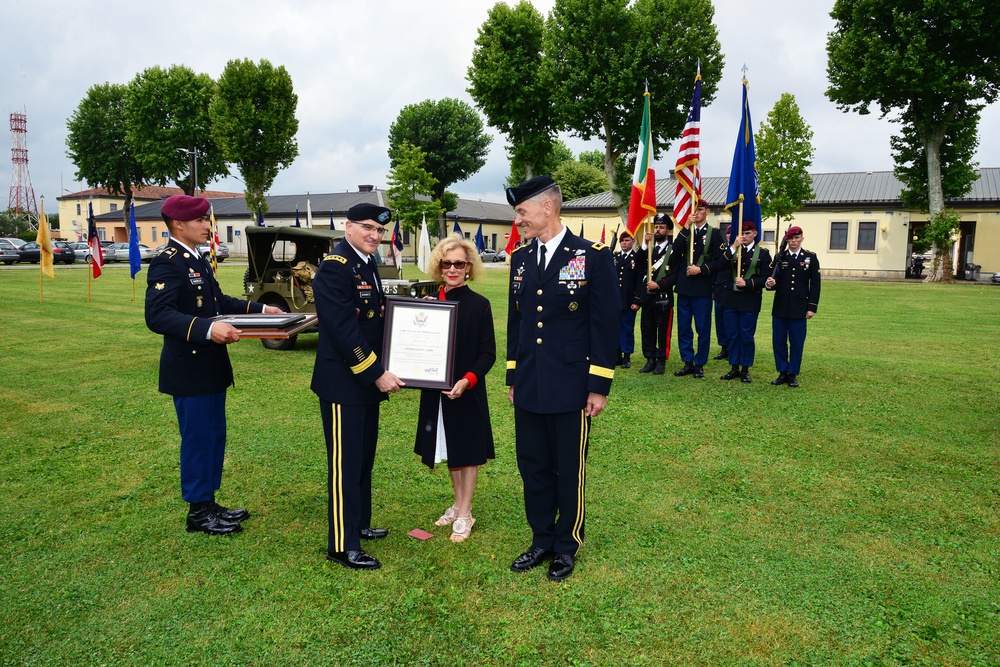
pixel 541 259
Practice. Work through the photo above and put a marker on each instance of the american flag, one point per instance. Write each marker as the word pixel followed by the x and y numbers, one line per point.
pixel 686 170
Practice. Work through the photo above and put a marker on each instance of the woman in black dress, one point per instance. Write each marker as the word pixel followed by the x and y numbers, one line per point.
pixel 454 424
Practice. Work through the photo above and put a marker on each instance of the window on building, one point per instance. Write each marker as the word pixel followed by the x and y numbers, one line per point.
pixel 78 209
pixel 406 237
pixel 229 234
pixel 114 207
pixel 724 228
pixel 100 234
pixel 153 237
pixel 866 236
pixel 838 236
pixel 768 236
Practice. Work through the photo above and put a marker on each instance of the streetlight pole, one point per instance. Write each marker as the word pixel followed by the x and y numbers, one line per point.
pixel 193 154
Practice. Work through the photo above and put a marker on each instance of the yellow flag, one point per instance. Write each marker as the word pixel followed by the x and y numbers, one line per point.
pixel 45 242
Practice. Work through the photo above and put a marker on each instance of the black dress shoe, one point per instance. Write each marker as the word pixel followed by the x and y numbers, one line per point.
pixel 781 379
pixel 373 533
pixel 659 369
pixel 626 361
pixel 356 560
pixel 745 375
pixel 733 373
pixel 561 567
pixel 648 368
pixel 226 514
pixel 203 518
pixel 618 360
pixel 723 354
pixel 686 370
pixel 533 557
pixel 699 372
pixel 792 381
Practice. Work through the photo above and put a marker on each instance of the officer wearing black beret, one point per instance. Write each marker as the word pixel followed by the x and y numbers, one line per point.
pixel 182 295
pixel 562 333
pixel 351 382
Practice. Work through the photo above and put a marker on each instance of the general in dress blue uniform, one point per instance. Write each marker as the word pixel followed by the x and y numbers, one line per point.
pixel 351 382
pixel 182 295
pixel 796 299
pixel 562 331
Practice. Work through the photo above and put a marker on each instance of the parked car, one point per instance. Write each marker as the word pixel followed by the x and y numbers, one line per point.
pixel 61 252
pixel 489 256
pixel 13 240
pixel 221 253
pixel 146 254
pixel 8 252
pixel 82 250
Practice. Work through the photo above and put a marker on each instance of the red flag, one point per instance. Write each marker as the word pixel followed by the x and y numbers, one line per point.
pixel 642 203
pixel 602 233
pixel 96 256
pixel 515 238
pixel 687 170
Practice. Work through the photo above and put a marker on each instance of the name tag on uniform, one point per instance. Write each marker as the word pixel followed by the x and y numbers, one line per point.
pixel 195 278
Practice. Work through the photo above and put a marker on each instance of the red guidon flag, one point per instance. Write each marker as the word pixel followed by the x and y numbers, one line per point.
pixel 642 203
pixel 687 170
pixel 515 238
pixel 94 241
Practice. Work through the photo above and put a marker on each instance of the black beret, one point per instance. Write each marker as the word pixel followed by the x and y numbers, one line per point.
pixel 663 219
pixel 529 189
pixel 360 212
pixel 184 208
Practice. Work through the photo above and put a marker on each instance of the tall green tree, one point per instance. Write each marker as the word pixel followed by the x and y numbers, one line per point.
pixel 602 52
pixel 254 124
pixel 410 190
pixel 167 110
pixel 623 172
pixel 558 153
pixel 579 179
pixel 784 155
pixel 97 143
pixel 452 137
pixel 934 65
pixel 511 84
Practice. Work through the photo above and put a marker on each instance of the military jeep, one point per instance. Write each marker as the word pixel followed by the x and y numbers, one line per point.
pixel 282 262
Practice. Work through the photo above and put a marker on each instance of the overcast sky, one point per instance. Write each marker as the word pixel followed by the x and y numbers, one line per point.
pixel 356 64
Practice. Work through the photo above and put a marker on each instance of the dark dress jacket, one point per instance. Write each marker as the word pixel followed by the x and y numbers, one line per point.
pixel 349 301
pixel 749 298
pixel 181 296
pixel 466 419
pixel 626 266
pixel 797 289
pixel 664 273
pixel 711 261
pixel 562 327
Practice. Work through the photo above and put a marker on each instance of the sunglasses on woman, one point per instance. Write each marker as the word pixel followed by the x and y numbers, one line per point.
pixel 446 264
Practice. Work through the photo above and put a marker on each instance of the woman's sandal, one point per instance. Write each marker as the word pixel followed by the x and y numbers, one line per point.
pixel 448 517
pixel 462 528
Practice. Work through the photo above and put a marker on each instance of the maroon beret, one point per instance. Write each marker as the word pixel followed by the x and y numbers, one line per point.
pixel 749 224
pixel 184 208
pixel 794 230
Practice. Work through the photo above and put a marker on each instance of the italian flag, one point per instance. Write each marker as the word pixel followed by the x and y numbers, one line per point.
pixel 642 203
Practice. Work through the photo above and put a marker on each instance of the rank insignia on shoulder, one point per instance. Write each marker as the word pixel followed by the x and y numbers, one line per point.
pixel 159 286
pixel 598 246
pixel 520 247
pixel 336 258
pixel 169 252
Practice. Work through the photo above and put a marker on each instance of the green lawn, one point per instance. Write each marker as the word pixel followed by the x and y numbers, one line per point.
pixel 854 521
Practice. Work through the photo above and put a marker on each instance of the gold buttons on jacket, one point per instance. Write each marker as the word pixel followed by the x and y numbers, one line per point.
pixel 539 309
pixel 538 340
pixel 540 325
pixel 539 292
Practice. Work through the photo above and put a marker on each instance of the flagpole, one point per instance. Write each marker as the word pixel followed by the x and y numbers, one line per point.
pixel 89 274
pixel 647 229
pixel 739 234
pixel 40 281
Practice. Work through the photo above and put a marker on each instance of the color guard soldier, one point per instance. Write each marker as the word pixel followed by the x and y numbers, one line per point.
pixel 656 296
pixel 741 299
pixel 351 382
pixel 562 326
pixel 625 264
pixel 796 300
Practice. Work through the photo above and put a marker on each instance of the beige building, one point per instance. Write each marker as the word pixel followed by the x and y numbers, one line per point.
pixel 856 223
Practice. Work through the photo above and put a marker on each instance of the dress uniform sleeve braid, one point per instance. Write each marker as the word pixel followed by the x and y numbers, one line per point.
pixel 333 288
pixel 604 307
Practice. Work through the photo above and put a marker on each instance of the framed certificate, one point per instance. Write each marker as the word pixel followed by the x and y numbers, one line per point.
pixel 259 325
pixel 419 345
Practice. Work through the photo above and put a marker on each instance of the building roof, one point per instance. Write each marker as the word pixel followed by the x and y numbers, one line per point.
pixel 838 189
pixel 150 192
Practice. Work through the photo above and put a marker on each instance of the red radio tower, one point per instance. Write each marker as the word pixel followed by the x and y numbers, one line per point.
pixel 22 195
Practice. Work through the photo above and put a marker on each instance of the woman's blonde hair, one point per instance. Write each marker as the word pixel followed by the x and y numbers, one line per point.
pixel 472 271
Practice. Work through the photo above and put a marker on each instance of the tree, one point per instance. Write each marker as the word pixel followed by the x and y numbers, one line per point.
pixel 579 179
pixel 167 110
pixel 451 135
pixel 934 65
pixel 784 155
pixel 254 124
pixel 410 190
pixel 558 153
pixel 603 51
pixel 623 173
pixel 97 143
pixel 512 86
